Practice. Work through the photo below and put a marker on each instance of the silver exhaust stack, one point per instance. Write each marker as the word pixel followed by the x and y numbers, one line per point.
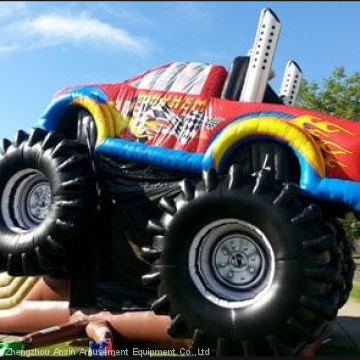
pixel 261 57
pixel 290 86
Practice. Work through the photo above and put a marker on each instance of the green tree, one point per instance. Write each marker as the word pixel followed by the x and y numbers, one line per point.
pixel 338 95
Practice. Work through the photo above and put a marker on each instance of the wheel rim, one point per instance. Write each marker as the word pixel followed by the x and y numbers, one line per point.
pixel 26 200
pixel 234 270
pixel 38 202
pixel 238 261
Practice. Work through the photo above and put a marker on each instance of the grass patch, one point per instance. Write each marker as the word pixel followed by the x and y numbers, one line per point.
pixel 355 293
pixel 356 258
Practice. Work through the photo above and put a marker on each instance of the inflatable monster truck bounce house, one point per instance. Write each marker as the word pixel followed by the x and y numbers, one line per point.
pixel 188 206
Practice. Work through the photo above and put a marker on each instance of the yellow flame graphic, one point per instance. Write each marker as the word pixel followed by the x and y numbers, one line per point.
pixel 322 130
pixel 331 162
pixel 331 147
pixel 319 126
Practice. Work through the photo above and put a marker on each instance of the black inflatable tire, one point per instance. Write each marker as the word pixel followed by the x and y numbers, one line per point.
pixel 347 264
pixel 43 247
pixel 303 292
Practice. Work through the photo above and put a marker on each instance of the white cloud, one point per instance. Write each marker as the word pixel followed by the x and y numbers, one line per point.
pixel 5 49
pixel 57 29
pixel 11 8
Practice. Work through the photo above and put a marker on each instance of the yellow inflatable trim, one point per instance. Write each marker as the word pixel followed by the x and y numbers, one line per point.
pixel 5 279
pixel 274 127
pixel 102 114
pixel 13 290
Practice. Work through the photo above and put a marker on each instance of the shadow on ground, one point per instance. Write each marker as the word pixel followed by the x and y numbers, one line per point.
pixel 345 336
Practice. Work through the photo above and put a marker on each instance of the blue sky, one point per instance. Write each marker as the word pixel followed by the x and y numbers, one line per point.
pixel 45 46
